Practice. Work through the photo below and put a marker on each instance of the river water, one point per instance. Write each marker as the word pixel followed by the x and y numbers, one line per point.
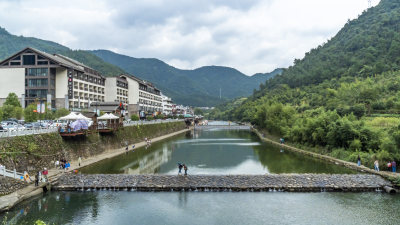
pixel 209 152
pixel 213 152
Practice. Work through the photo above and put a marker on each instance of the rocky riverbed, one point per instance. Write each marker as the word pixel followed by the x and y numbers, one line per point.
pixel 270 182
pixel 9 185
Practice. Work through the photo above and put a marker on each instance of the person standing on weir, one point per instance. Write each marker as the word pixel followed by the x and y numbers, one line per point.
pixel 394 166
pixel 358 161
pixel 185 168
pixel 180 168
pixel 79 161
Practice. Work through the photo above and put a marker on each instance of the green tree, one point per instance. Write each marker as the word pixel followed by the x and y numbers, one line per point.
pixel 61 112
pixel 8 112
pixel 12 99
pixel 18 111
pixel 198 112
pixel 30 113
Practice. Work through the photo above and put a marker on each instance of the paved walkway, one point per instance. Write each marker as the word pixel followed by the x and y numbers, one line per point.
pixel 268 182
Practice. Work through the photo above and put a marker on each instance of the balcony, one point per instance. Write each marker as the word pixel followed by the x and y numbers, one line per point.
pixel 86 89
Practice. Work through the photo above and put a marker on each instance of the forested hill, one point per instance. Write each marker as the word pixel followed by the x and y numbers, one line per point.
pixel 10 44
pixel 199 87
pixel 363 47
pixel 342 99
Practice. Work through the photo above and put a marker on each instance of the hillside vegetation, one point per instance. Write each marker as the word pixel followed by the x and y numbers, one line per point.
pixel 341 99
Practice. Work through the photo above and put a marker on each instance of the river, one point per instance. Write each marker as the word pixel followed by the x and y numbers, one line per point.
pixel 209 152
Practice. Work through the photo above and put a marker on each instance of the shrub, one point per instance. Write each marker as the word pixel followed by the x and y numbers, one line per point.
pixel 135 117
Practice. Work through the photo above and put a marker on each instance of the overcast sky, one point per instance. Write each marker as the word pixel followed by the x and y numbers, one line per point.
pixel 249 35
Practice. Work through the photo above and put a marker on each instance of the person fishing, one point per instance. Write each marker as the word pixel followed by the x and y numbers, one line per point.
pixel 180 166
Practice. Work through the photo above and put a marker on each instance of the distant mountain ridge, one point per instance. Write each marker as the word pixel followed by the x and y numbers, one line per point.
pixel 188 86
pixel 198 87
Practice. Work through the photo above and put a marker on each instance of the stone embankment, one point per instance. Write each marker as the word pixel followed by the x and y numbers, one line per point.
pixel 270 182
pixel 9 185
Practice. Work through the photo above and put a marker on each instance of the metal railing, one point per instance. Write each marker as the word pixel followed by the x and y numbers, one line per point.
pixel 23 132
pixel 10 173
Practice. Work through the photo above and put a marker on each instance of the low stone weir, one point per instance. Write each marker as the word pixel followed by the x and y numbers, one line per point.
pixel 270 182
pixel 223 127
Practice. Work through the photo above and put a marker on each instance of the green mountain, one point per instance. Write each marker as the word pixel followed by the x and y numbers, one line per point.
pixel 10 44
pixel 342 99
pixel 363 47
pixel 199 87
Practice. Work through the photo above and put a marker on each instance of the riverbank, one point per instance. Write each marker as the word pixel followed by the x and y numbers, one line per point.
pixel 388 175
pixel 10 200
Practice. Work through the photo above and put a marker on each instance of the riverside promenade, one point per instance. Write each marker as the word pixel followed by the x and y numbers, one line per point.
pixel 268 182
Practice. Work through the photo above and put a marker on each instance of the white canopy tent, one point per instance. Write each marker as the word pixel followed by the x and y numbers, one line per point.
pixel 108 116
pixel 71 116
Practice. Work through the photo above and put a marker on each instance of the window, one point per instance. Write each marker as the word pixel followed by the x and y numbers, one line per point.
pixel 29 60
pixel 5 64
pixel 40 57
pixel 37 93
pixel 37 82
pixel 37 72
pixel 17 58
pixel 15 63
pixel 43 63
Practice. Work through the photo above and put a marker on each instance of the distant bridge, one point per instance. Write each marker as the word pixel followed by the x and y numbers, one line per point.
pixel 268 182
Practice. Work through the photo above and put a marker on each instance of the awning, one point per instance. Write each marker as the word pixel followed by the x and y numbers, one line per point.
pixel 71 116
pixel 108 116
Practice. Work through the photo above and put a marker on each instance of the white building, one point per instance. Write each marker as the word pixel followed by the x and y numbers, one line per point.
pixel 117 89
pixel 143 97
pixel 166 105
pixel 60 81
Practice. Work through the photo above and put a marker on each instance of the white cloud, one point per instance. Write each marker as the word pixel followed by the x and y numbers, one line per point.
pixel 252 36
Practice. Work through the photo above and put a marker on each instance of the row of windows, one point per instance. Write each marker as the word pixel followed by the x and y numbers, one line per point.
pixel 147 102
pixel 149 96
pixel 122 84
pixel 149 89
pixel 88 78
pixel 38 93
pixel 37 82
pixel 37 72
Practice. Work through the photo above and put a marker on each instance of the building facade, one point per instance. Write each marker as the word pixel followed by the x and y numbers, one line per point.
pixel 117 89
pixel 143 97
pixel 166 105
pixel 62 82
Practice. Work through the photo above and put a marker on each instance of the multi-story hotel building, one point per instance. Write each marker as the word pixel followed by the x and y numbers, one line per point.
pixel 117 89
pixel 143 97
pixel 66 83
pixel 38 76
pixel 166 105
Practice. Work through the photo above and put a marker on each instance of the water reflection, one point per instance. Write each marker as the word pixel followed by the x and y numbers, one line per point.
pixel 213 152
pixel 106 207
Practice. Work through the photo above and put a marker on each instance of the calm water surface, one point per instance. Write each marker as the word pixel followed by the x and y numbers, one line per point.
pixel 119 208
pixel 213 152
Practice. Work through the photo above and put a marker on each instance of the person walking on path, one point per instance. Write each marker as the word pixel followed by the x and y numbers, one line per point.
pixel 57 164
pixel 79 161
pixel 180 166
pixel 185 168
pixel 45 173
pixel 358 161
pixel 394 166
pixel 389 166
pixel 376 165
